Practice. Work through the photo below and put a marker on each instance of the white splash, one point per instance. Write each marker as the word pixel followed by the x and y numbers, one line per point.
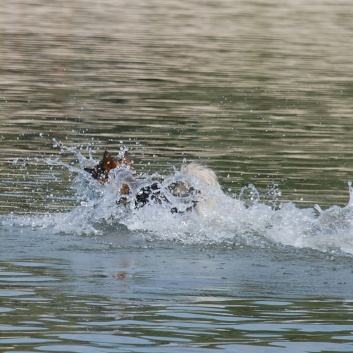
pixel 249 219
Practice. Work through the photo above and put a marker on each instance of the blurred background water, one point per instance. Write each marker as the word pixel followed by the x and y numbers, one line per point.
pixel 260 91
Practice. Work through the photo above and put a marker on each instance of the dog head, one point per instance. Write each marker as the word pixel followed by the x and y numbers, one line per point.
pixel 101 170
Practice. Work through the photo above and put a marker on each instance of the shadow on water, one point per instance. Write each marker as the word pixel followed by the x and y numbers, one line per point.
pixel 258 91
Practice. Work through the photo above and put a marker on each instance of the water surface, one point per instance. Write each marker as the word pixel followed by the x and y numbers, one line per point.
pixel 260 92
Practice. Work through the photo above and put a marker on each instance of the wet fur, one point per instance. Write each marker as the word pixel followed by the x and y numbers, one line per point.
pixel 101 171
pixel 153 193
pixel 209 178
pixel 206 175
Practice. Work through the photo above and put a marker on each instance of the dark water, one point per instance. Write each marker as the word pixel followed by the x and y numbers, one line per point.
pixel 261 92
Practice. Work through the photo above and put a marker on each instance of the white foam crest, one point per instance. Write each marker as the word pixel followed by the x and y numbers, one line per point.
pixel 230 220
pixel 250 223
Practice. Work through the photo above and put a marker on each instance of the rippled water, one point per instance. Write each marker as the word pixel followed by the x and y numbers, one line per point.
pixel 260 92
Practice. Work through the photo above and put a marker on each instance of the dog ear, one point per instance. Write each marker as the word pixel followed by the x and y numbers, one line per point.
pixel 109 162
pixel 127 159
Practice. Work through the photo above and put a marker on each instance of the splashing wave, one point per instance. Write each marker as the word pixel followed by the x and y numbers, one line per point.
pixel 249 219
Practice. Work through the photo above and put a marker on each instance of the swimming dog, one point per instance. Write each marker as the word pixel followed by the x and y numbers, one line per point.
pixel 178 193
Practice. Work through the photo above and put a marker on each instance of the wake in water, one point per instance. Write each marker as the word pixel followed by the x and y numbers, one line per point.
pixel 250 218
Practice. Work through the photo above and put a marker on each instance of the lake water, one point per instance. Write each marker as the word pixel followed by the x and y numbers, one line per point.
pixel 261 92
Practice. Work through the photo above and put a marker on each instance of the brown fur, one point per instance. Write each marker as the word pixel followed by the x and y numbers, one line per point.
pixel 154 193
pixel 101 170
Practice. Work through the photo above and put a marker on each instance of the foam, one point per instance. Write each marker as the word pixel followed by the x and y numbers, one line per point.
pixel 245 220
